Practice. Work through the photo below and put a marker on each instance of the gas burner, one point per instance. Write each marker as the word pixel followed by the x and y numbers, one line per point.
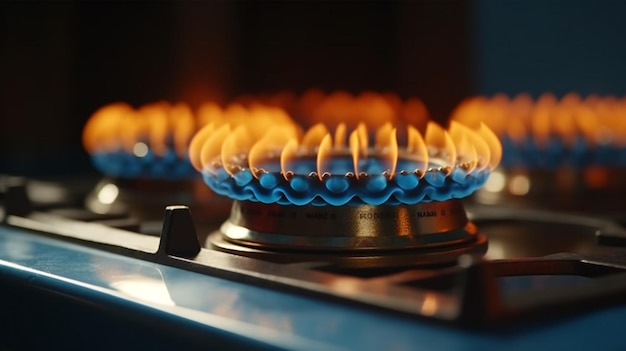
pixel 564 154
pixel 143 155
pixel 150 142
pixel 375 196
pixel 363 236
pixel 548 133
pixel 571 149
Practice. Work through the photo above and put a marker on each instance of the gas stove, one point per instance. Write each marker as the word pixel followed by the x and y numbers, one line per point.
pixel 389 232
pixel 510 277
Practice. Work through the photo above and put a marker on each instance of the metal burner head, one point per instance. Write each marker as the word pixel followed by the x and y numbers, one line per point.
pixel 352 236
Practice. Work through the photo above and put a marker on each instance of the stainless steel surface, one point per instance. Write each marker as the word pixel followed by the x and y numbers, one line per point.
pixel 468 292
pixel 551 266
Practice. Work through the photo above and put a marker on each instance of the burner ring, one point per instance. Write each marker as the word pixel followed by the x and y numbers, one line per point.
pixel 348 228
pixel 433 232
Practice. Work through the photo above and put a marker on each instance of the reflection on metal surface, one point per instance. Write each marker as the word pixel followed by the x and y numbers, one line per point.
pixel 430 305
pixel 17 250
pixel 144 282
pixel 596 177
pixel 148 283
pixel 519 185
pixel 145 289
pixel 44 192
pixel 495 183
pixel 345 286
pixel 108 193
pixel 140 149
pixel 104 197
pixel 497 250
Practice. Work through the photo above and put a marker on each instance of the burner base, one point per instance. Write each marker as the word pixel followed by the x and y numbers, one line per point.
pixel 355 236
pixel 358 260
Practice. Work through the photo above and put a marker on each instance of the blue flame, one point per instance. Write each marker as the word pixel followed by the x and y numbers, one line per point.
pixel 530 154
pixel 124 164
pixel 341 189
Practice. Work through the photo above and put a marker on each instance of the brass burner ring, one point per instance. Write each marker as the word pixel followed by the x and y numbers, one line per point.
pixel 349 228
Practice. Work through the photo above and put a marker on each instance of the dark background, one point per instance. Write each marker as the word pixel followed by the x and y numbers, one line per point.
pixel 61 61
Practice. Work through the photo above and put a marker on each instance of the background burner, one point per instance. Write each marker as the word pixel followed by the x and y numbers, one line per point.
pixel 149 142
pixel 563 153
pixel 142 154
pixel 549 133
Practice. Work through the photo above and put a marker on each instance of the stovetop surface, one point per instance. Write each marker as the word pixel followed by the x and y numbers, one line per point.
pixel 280 319
pixel 195 308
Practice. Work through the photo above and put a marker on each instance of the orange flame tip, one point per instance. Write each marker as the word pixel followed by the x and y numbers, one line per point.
pixel 323 154
pixel 182 119
pixel 269 146
pixel 495 148
pixel 289 153
pixel 235 144
pixel 340 136
pixel 363 139
pixel 440 145
pixel 196 144
pixel 158 126
pixel 211 148
pixel 313 137
pixel 470 147
pixel 392 152
pixel 102 125
pixel 355 149
pixel 417 147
